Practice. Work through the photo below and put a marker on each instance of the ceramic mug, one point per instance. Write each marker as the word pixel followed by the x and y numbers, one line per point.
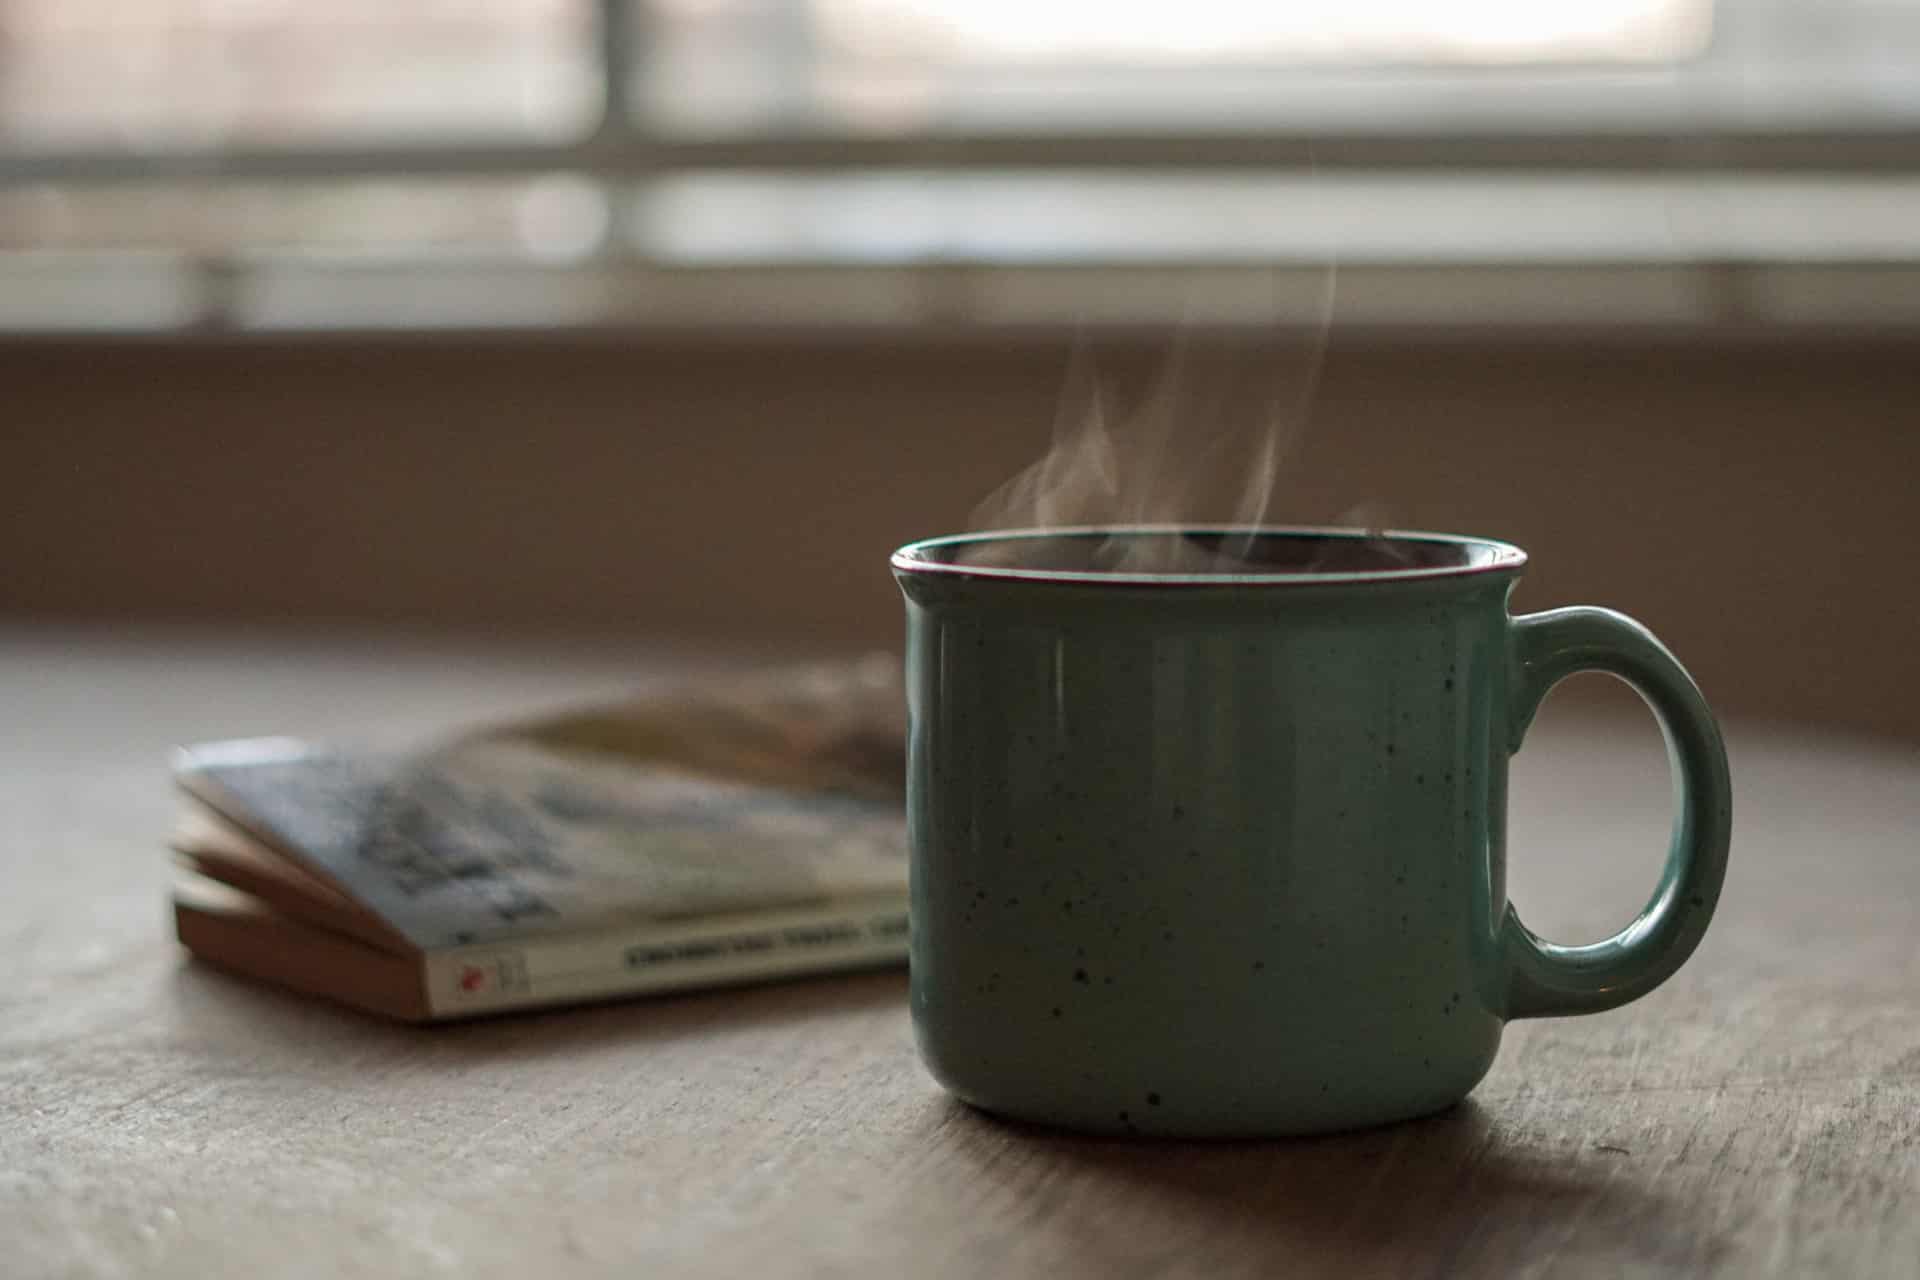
pixel 1220 851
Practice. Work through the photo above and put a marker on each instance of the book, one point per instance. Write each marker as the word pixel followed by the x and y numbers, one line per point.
pixel 706 835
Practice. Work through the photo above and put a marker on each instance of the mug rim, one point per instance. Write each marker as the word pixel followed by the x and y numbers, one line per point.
pixel 1483 556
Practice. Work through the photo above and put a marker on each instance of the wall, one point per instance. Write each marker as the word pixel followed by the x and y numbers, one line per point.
pixel 1751 502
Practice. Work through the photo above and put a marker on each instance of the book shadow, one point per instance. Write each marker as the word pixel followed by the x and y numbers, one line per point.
pixel 262 1014
pixel 1452 1192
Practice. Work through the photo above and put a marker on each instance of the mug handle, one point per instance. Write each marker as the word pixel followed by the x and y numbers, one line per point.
pixel 1545 979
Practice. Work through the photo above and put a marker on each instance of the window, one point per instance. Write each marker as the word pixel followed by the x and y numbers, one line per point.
pixel 896 66
pixel 136 75
pixel 272 164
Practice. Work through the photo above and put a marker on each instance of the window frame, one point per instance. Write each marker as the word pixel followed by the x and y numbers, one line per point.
pixel 619 286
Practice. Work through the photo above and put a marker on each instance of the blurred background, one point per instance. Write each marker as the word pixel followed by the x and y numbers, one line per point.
pixel 671 317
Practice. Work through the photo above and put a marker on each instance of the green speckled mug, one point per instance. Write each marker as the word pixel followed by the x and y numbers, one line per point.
pixel 1221 851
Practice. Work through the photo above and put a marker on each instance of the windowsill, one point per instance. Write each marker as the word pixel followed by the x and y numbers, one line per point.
pixel 168 295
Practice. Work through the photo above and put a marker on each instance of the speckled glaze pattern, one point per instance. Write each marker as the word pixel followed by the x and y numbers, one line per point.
pixel 1228 859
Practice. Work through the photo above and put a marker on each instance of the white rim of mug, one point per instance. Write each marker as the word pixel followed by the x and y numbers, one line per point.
pixel 1502 557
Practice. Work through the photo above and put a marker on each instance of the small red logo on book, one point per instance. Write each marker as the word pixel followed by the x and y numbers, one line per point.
pixel 472 978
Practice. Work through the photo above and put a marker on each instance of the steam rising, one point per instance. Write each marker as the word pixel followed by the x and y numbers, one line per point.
pixel 1204 445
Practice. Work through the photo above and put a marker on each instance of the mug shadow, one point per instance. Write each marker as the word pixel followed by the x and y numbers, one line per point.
pixel 1455 1192
pixel 1463 1191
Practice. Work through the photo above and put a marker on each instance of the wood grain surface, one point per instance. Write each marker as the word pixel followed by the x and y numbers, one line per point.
pixel 1759 1115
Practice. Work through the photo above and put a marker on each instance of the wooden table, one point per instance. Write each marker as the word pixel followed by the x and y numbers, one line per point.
pixel 1757 1116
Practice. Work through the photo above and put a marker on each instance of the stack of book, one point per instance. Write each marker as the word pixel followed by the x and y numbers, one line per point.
pixel 717 833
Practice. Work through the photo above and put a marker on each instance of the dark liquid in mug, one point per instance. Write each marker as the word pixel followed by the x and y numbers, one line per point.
pixel 1204 551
